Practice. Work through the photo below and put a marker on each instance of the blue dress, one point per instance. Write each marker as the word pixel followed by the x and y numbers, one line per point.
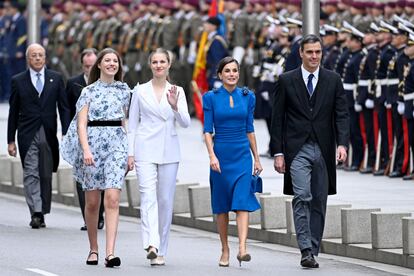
pixel 109 145
pixel 230 189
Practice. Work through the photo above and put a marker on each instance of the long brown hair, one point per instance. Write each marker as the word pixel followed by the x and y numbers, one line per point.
pixel 96 72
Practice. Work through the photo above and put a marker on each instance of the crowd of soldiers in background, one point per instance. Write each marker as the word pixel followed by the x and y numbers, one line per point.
pixel 368 43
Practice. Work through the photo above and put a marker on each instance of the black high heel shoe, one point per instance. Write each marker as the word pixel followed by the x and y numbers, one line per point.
pixel 115 261
pixel 243 258
pixel 94 262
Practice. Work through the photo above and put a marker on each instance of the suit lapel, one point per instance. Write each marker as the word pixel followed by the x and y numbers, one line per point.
pixel 30 84
pixel 48 80
pixel 151 100
pixel 301 90
pixel 164 105
pixel 319 97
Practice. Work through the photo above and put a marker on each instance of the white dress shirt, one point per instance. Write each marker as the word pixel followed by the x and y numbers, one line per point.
pixel 305 76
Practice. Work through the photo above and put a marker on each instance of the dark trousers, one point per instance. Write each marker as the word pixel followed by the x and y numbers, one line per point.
pixel 356 137
pixel 81 197
pixel 410 124
pixel 397 123
pixel 310 187
pixel 383 126
pixel 370 134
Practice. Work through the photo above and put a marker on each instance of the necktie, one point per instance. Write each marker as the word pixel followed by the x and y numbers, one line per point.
pixel 39 84
pixel 310 85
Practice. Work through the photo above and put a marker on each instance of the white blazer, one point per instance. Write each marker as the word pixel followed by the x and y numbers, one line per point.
pixel 151 128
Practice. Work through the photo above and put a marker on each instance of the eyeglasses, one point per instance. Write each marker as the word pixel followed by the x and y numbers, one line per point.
pixel 34 55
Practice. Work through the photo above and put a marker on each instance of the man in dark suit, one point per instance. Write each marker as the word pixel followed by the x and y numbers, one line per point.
pixel 34 96
pixel 310 123
pixel 74 88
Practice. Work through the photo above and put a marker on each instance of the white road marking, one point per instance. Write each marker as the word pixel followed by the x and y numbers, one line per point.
pixel 41 272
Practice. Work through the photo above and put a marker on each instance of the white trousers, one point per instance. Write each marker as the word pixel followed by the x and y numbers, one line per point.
pixel 157 188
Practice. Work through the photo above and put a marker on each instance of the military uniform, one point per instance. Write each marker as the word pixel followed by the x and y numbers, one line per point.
pixel 350 81
pixel 384 112
pixel 365 98
pixel 395 76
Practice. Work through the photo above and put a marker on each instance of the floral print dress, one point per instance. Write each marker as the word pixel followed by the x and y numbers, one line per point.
pixel 108 144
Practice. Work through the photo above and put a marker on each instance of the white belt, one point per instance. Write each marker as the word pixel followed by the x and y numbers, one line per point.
pixel 393 81
pixel 349 86
pixel 381 82
pixel 408 97
pixel 364 82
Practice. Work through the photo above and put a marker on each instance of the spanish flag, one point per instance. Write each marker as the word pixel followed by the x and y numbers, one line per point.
pixel 199 82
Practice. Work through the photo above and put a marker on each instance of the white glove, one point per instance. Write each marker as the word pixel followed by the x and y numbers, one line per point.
pixel 249 57
pixel 401 108
pixel 192 52
pixel 387 105
pixel 125 68
pixel 137 67
pixel 357 107
pixel 265 95
pixel 369 103
pixel 217 84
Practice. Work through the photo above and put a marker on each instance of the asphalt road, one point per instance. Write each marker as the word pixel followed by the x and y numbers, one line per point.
pixel 61 249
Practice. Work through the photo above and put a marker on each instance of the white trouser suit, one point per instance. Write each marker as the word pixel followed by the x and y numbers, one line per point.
pixel 153 142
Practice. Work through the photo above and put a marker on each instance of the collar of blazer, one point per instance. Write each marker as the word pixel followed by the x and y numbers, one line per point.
pixel 161 108
pixel 302 90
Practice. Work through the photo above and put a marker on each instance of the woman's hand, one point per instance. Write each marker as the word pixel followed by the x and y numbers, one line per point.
pixel 214 164
pixel 88 158
pixel 257 167
pixel 131 163
pixel 172 97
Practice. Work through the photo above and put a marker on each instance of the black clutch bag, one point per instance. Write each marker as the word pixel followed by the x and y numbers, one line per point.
pixel 256 184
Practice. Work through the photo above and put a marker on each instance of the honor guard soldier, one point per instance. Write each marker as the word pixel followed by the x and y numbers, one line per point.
pixel 394 97
pixel 409 97
pixel 365 95
pixel 350 81
pixel 215 49
pixel 293 60
pixel 271 66
pixel 4 67
pixel 384 38
pixel 16 41
pixel 331 49
pixel 343 38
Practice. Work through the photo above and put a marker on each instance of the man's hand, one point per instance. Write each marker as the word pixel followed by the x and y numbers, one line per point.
pixel 11 148
pixel 279 164
pixel 341 154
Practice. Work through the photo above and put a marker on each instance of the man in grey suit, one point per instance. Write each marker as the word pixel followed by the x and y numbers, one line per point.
pixel 310 124
pixel 34 96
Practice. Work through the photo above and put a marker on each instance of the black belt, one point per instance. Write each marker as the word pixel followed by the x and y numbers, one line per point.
pixel 104 123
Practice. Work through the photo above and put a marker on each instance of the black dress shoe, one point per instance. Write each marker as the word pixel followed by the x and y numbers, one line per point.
pixel 352 168
pixel 35 222
pixel 366 170
pixel 84 228
pixel 379 172
pixel 115 261
pixel 101 224
pixel 395 174
pixel 42 222
pixel 408 177
pixel 308 260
